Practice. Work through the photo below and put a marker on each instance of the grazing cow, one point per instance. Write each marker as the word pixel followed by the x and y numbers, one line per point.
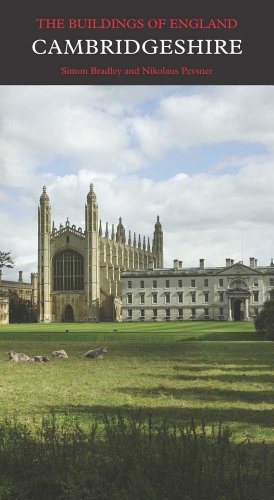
pixel 59 354
pixel 18 356
pixel 96 353
pixel 39 359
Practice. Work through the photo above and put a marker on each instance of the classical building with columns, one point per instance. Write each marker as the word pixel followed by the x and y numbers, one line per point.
pixel 235 292
pixel 79 269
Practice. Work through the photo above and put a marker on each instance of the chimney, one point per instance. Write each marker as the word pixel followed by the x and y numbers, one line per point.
pixel 202 263
pixel 227 262
pixel 231 262
pixel 176 264
pixel 180 264
pixel 256 262
pixel 20 279
pixel 251 262
pixel 272 263
pixel 151 264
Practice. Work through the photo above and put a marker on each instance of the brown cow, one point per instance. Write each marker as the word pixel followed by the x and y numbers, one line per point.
pixel 96 353
pixel 39 359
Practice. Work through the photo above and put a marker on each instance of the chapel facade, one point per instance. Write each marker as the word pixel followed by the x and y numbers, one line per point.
pixel 79 269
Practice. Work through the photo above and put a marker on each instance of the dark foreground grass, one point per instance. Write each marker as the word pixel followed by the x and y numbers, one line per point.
pixel 130 459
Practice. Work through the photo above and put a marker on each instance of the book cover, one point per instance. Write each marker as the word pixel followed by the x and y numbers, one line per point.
pixel 136 193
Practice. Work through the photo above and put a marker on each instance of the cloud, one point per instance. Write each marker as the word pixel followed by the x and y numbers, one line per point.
pixel 68 137
pixel 211 117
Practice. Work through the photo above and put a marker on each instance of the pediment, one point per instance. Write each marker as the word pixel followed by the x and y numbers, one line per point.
pixel 238 269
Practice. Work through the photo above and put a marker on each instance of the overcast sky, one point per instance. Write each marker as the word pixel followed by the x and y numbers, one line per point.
pixel 200 157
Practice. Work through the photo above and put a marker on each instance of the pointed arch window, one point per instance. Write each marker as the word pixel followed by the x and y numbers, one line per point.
pixel 68 271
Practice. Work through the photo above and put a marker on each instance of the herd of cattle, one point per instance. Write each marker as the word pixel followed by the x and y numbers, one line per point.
pixel 20 356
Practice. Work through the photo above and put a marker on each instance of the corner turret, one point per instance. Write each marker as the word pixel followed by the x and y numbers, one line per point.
pixel 158 244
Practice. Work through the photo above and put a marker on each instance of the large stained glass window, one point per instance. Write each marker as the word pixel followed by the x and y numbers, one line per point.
pixel 68 272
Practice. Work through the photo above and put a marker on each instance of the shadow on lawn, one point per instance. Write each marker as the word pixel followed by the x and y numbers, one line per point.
pixel 242 377
pixel 222 367
pixel 181 416
pixel 209 394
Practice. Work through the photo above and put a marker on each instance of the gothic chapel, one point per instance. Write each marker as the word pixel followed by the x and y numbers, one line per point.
pixel 79 270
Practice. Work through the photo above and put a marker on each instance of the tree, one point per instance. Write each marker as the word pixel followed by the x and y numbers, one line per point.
pixel 264 323
pixel 18 309
pixel 6 260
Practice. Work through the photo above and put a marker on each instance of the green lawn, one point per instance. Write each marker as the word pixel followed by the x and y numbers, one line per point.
pixel 190 330
pixel 210 371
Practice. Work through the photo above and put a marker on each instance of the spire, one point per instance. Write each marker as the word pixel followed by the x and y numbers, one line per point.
pixel 44 213
pixel 129 237
pixel 106 231
pixel 44 196
pixel 134 240
pixel 100 228
pixel 91 194
pixel 44 259
pixel 120 233
pixel 158 225
pixel 91 213
pixel 158 244
pixel 148 245
pixel 67 222
pixel 139 242
pixel 144 243
pixel 112 232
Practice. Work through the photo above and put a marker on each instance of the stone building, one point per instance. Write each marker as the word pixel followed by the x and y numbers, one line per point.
pixel 4 310
pixel 24 290
pixel 79 269
pixel 235 292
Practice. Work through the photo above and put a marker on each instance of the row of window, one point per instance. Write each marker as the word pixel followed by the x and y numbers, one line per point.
pixel 180 313
pixel 179 283
pixel 193 283
pixel 193 296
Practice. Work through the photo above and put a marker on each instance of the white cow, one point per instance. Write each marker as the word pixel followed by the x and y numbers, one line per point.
pixel 96 353
pixel 59 354
pixel 18 356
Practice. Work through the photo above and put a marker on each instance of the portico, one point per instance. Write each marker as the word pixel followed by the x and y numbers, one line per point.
pixel 238 301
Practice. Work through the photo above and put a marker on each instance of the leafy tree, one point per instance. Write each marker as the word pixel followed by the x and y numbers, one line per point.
pixel 19 309
pixel 264 323
pixel 6 260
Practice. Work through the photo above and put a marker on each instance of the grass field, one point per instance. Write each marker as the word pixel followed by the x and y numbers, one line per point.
pixel 209 371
